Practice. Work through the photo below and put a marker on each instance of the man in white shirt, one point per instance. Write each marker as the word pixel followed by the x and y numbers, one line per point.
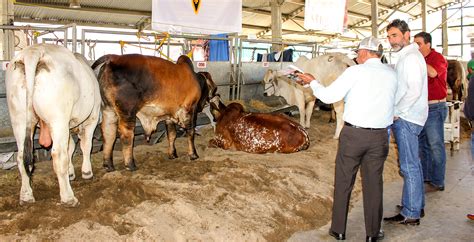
pixel 411 112
pixel 369 91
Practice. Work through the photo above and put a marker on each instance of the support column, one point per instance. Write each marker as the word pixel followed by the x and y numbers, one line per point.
pixel 462 32
pixel 6 36
pixel 375 18
pixel 423 15
pixel 276 24
pixel 444 30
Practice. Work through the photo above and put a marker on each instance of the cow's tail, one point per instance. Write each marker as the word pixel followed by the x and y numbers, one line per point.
pixel 100 61
pixel 30 72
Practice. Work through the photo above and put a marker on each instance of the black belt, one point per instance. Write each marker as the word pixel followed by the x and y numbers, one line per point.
pixel 358 127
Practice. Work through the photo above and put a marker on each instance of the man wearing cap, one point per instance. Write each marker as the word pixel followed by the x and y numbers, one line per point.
pixel 431 139
pixel 411 112
pixel 368 90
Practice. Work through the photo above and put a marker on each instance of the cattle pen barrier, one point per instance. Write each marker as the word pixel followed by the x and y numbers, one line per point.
pixel 236 78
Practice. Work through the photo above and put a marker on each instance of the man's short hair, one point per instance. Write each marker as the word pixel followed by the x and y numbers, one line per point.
pixel 379 52
pixel 426 37
pixel 399 24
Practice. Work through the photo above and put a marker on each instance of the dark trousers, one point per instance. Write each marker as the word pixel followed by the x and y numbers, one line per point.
pixel 368 150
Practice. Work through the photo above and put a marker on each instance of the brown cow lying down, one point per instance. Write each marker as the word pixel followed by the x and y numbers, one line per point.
pixel 256 132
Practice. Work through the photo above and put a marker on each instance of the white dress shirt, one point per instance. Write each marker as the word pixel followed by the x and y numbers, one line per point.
pixel 368 91
pixel 411 100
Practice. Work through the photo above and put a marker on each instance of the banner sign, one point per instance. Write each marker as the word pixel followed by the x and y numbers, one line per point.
pixel 197 16
pixel 325 15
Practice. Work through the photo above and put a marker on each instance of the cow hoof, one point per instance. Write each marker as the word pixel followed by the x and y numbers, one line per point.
pixel 72 177
pixel 87 175
pixel 131 166
pixel 193 156
pixel 109 167
pixel 173 156
pixel 26 202
pixel 71 204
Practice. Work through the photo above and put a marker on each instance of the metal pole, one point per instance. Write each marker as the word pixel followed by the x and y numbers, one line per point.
pixel 239 71
pixel 276 24
pixel 65 37
pixel 375 18
pixel 83 42
pixel 462 33
pixel 74 38
pixel 7 44
pixel 423 15
pixel 444 31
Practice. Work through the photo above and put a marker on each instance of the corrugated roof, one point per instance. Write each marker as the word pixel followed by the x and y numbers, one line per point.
pixel 256 17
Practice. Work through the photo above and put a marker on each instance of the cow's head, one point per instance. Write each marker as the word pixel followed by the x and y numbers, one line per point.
pixel 217 107
pixel 329 67
pixel 211 85
pixel 269 82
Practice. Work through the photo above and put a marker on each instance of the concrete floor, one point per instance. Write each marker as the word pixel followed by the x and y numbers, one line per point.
pixel 445 218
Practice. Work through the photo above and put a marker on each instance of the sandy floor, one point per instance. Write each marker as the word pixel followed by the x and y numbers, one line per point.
pixel 223 196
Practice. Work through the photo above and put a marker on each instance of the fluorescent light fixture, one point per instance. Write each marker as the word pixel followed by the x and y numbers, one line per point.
pixel 74 4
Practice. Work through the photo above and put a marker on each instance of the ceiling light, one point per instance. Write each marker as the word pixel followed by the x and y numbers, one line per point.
pixel 74 4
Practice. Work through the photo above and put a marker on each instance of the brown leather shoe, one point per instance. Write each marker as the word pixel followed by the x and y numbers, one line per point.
pixel 470 216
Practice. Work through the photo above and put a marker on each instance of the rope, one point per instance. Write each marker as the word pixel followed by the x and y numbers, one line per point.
pixel 91 49
pixel 253 54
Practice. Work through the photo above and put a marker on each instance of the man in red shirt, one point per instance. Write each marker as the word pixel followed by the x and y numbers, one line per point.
pixel 431 138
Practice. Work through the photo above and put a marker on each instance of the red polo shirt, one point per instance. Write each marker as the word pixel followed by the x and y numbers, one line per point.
pixel 437 86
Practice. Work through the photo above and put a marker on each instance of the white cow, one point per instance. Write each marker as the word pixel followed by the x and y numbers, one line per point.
pixel 293 93
pixel 326 68
pixel 49 85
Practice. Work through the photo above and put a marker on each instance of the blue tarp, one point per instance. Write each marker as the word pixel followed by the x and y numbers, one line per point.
pixel 287 56
pixel 219 49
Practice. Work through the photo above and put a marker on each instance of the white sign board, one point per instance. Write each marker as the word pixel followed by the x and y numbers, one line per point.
pixel 325 15
pixel 197 16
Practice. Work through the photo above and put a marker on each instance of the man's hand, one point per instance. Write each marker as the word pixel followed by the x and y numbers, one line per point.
pixel 305 78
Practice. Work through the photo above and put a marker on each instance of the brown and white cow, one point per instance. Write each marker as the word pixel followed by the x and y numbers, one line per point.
pixel 256 132
pixel 326 68
pixel 456 79
pixel 152 89
pixel 49 85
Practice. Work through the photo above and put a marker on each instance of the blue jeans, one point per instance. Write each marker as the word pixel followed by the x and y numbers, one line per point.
pixel 472 144
pixel 432 148
pixel 413 196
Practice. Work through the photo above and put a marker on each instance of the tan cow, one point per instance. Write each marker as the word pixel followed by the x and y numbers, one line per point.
pixel 456 79
pixel 151 89
pixel 326 68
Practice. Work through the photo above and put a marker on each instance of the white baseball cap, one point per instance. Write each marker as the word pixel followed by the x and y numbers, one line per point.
pixel 370 43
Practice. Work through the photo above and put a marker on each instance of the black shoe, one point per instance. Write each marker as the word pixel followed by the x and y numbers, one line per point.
pixel 422 213
pixel 337 236
pixel 379 236
pixel 430 187
pixel 400 219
